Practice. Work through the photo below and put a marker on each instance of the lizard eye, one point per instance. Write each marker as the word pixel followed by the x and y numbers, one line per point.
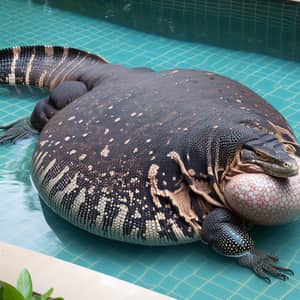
pixel 285 165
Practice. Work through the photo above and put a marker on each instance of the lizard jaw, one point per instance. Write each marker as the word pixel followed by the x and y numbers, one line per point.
pixel 288 169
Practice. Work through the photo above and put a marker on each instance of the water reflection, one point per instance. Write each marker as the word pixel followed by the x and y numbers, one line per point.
pixel 94 249
pixel 268 27
pixel 114 258
pixel 15 159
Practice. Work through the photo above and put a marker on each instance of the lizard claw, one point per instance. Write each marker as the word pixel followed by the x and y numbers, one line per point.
pixel 263 264
pixel 17 130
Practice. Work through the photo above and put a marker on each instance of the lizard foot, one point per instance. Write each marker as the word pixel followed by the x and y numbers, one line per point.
pixel 17 130
pixel 263 264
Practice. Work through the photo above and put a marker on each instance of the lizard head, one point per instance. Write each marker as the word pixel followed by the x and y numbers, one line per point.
pixel 271 155
pixel 267 190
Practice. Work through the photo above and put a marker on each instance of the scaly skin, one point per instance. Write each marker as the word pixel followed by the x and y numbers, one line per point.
pixel 263 199
pixel 143 156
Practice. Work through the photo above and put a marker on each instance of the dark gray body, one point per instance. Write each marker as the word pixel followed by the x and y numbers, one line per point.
pixel 130 122
pixel 143 156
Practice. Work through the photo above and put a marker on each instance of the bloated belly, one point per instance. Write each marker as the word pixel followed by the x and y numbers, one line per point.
pixel 263 199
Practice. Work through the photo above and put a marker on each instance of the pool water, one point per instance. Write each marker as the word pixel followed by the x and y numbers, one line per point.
pixel 185 272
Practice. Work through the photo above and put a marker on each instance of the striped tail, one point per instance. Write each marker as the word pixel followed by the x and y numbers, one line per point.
pixel 44 66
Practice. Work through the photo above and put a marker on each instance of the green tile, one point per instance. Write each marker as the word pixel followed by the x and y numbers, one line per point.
pixel 185 272
pixel 152 277
pixel 292 295
pixel 195 281
pixel 136 268
pixel 183 291
pixel 169 282
pixel 81 262
pixel 217 290
pixel 247 292
pixel 182 271
pixel 231 285
pixel 277 290
pixel 239 297
pixel 65 255
pixel 108 267
pixel 199 295
pixel 128 277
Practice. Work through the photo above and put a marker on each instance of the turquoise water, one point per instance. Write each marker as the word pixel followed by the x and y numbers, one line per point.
pixel 184 272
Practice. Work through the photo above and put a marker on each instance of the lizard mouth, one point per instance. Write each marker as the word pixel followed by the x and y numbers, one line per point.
pixel 289 168
pixel 270 166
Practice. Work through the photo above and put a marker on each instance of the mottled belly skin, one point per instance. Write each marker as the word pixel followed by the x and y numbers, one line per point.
pixel 263 199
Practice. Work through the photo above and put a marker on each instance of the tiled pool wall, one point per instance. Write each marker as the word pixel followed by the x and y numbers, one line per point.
pixel 186 272
pixel 266 26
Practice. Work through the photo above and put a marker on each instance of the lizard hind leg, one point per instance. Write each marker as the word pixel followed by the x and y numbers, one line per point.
pixel 60 97
pixel 65 93
pixel 17 130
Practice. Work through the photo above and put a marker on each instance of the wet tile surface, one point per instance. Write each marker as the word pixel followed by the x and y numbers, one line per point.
pixel 184 272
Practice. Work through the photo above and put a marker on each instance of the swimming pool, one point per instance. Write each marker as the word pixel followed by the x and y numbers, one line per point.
pixel 184 272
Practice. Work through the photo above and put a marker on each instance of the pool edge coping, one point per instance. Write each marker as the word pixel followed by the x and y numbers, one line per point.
pixel 69 281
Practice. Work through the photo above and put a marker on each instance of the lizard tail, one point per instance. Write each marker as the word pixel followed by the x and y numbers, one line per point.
pixel 44 66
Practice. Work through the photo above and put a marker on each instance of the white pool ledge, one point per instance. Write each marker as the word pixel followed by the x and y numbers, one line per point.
pixel 72 282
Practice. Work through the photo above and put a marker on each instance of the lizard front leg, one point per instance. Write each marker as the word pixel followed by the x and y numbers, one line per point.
pixel 224 232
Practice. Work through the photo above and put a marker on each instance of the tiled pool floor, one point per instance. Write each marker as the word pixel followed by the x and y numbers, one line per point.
pixel 184 272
